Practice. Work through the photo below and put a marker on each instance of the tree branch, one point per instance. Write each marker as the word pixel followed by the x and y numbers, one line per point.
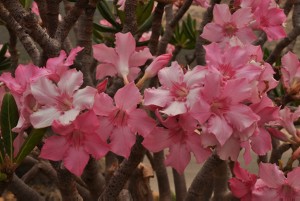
pixel 52 16
pixel 130 24
pixel 180 185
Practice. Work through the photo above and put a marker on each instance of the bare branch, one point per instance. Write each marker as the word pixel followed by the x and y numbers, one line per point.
pixel 130 24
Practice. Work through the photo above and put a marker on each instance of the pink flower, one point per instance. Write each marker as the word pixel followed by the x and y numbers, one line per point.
pixel 122 60
pixel 120 122
pixel 178 92
pixel 270 20
pixel 230 28
pixel 273 185
pixel 242 184
pixel 202 3
pixel 62 102
pixel 291 73
pixel 222 107
pixel 59 65
pixel 75 142
pixel 181 138
pixel 157 64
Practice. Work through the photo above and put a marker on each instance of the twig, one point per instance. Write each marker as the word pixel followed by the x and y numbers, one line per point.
pixel 52 16
pixel 24 38
pixel 42 6
pixel 162 177
pixel 221 176
pixel 262 39
pixel 156 27
pixel 126 169
pixel 163 43
pixel 14 54
pixel 130 24
pixel 180 185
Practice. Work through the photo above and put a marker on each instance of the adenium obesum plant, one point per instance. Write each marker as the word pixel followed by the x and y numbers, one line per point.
pixel 116 100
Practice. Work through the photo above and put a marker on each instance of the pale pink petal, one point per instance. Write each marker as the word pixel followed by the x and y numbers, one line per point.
pixel 70 81
pixel 230 150
pixel 75 160
pixel 68 116
pixel 84 98
pixel 195 77
pixel 212 32
pixel 157 64
pixel 193 141
pixel 220 128
pixel 157 140
pixel 103 104
pixel 103 70
pixel 159 97
pixel 246 35
pixel 241 116
pixel 212 87
pixel 140 58
pixel 105 54
pixel 44 117
pixel 214 54
pixel 247 153
pixel 238 90
pixel 291 63
pixel 261 143
pixel 45 91
pixel 70 60
pixel 201 111
pixel 128 97
pixel 293 178
pixel 122 139
pixel 276 16
pixel 170 75
pixel 133 73
pixel 221 14
pixel 11 83
pixel 56 63
pixel 95 146
pixel 271 175
pixel 87 122
pixel 262 192
pixel 175 108
pixel 125 46
pixel 242 17
pixel 140 122
pixel 54 148
pixel 178 157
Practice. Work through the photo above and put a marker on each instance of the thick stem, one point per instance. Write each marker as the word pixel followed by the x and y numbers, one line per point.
pixel 130 24
pixel 22 191
pixel 29 21
pixel 52 16
pixel 180 185
pixel 94 179
pixel 221 176
pixel 125 171
pixel 69 20
pixel 162 177
pixel 262 39
pixel 207 17
pixel 171 25
pixel 203 184
pixel 84 59
pixel 156 27
pixel 14 54
pixel 24 38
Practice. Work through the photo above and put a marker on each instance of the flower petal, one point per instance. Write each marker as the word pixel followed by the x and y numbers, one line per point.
pixel 271 175
pixel 75 160
pixel 159 97
pixel 54 148
pixel 70 81
pixel 140 122
pixel 103 70
pixel 95 146
pixel 157 140
pixel 179 157
pixel 44 117
pixel 220 128
pixel 103 104
pixel 45 91
pixel 128 97
pixel 84 98
pixel 171 75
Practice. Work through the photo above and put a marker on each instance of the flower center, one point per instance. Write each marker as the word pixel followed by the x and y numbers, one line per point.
pixel 180 92
pixel 229 29
pixel 119 117
pixel 76 138
pixel 65 103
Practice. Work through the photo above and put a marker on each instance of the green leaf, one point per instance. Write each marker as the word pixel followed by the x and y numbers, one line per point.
pixel 146 25
pixel 35 137
pixel 3 176
pixel 107 14
pixel 102 28
pixel 26 3
pixel 2 151
pixel 144 12
pixel 9 120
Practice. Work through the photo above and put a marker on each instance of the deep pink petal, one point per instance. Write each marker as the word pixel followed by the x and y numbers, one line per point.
pixel 103 104
pixel 291 63
pixel 122 139
pixel 61 129
pixel 87 122
pixel 75 160
pixel 139 121
pixel 55 148
pixel 261 143
pixel 238 90
pixel 70 60
pixel 242 17
pixel 70 81
pixel 201 111
pixel 103 70
pixel 230 150
pixel 159 97
pixel 84 98
pixel 271 175
pixel 275 32
pixel 293 178
pixel 247 152
pixel 157 64
pixel 238 188
pixel 212 87
pixel 45 91
pixel 193 141
pixel 95 146
pixel 157 140
pixel 241 116
pixel 128 97
pixel 178 157
pixel 220 128
pixel 214 54
pixel 105 128
pixel 44 117
pixel 11 83
pixel 171 75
